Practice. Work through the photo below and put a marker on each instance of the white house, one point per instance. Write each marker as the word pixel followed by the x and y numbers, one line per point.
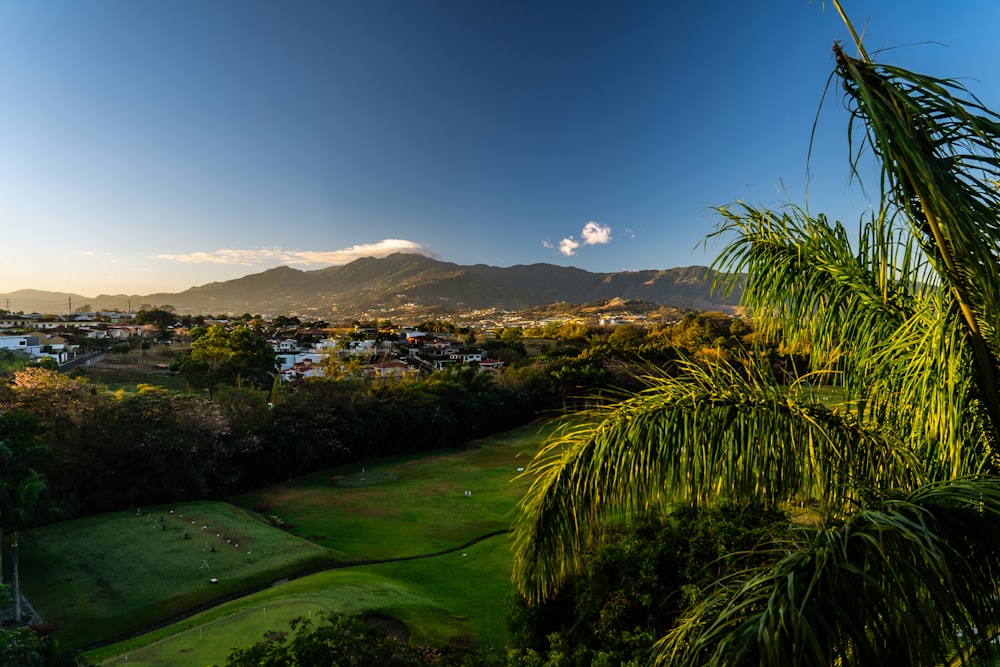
pixel 287 360
pixel 15 322
pixel 300 370
pixel 287 345
pixel 30 345
pixel 467 356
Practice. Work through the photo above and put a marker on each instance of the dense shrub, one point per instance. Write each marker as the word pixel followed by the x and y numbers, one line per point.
pixel 634 586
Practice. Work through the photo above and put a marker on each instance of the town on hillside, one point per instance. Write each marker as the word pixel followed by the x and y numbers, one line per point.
pixel 304 349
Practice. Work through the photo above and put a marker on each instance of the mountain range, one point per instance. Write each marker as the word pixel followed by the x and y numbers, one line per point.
pixel 401 284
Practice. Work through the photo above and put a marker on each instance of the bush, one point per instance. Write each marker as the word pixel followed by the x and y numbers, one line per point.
pixel 634 586
pixel 338 639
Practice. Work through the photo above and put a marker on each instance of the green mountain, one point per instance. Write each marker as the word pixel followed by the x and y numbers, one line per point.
pixel 401 284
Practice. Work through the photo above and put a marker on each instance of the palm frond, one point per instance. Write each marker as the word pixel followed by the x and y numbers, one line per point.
pixel 940 153
pixel 714 434
pixel 807 283
pixel 912 582
pixel 921 385
pixel 876 314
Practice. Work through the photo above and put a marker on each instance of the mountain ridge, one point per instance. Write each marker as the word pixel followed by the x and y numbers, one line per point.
pixel 401 283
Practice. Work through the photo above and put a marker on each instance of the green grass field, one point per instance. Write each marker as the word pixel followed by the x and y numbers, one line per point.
pixel 126 380
pixel 430 596
pixel 108 575
pixel 112 575
pixel 419 506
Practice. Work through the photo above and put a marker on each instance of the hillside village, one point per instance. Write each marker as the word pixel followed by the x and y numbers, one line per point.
pixel 303 350
pixel 386 353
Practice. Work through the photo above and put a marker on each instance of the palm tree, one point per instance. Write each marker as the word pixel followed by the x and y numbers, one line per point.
pixel 902 562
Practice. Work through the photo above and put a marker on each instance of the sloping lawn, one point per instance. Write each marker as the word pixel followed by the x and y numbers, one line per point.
pixel 452 599
pixel 109 575
pixel 406 506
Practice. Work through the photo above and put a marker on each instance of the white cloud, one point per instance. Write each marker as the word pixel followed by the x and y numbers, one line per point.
pixel 595 233
pixel 252 257
pixel 568 246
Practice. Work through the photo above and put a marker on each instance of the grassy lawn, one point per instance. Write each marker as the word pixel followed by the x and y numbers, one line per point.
pixel 472 584
pixel 117 574
pixel 105 576
pixel 435 597
pixel 406 506
pixel 113 379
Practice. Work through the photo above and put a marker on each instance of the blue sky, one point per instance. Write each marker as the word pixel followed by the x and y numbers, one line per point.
pixel 156 145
